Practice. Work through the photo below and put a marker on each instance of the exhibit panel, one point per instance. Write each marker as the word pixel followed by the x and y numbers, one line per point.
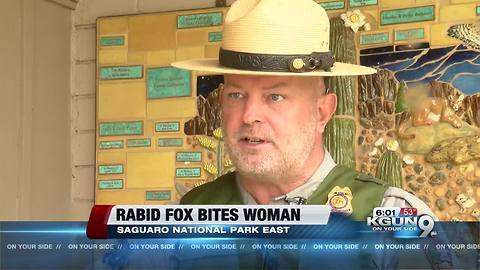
pixel 153 144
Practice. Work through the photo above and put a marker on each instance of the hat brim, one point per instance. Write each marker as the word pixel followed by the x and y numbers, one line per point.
pixel 212 65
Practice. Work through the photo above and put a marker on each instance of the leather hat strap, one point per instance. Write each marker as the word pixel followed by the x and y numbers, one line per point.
pixel 276 62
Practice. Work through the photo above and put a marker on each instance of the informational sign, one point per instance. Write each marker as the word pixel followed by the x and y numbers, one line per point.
pixel 215 36
pixel 361 3
pixel 105 145
pixel 117 73
pixel 188 172
pixel 167 126
pixel 143 103
pixel 121 128
pixel 164 195
pixel 110 169
pixel 407 15
pixel 333 5
pixel 410 34
pixel 139 143
pixel 170 142
pixel 189 156
pixel 166 82
pixel 110 184
pixel 112 41
pixel 374 38
pixel 199 20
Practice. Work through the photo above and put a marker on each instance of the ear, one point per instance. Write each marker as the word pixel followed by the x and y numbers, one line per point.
pixel 326 106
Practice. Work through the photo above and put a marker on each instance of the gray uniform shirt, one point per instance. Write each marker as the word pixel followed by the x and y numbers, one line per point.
pixel 393 197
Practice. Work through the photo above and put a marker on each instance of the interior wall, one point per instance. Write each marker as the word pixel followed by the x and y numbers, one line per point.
pixel 47 100
pixel 10 75
pixel 83 85
pixel 35 168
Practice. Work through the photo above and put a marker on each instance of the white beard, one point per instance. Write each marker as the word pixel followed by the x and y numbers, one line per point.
pixel 287 158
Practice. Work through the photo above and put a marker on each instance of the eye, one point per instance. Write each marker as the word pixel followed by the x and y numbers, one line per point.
pixel 276 97
pixel 235 95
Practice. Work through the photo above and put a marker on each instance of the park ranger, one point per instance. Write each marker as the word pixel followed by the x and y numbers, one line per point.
pixel 274 107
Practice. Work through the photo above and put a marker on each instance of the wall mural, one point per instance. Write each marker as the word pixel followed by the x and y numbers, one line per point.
pixel 423 138
pixel 420 119
pixel 455 65
pixel 415 124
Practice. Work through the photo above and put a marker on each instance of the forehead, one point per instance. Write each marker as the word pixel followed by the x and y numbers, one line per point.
pixel 266 82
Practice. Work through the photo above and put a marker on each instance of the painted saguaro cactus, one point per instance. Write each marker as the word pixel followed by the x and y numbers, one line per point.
pixel 400 104
pixel 340 131
pixel 389 169
pixel 339 140
pixel 342 45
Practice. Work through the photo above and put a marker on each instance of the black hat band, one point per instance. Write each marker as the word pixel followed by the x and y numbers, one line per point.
pixel 276 62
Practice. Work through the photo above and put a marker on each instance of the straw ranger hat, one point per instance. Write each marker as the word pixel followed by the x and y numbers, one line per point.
pixel 275 37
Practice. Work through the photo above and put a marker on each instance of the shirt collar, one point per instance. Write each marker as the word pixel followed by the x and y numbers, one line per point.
pixel 303 191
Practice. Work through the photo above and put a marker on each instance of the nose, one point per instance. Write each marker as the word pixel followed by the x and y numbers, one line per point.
pixel 254 110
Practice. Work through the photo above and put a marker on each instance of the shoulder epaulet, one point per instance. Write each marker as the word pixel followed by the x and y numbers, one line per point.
pixel 368 178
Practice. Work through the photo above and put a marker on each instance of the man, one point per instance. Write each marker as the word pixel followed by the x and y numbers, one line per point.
pixel 275 54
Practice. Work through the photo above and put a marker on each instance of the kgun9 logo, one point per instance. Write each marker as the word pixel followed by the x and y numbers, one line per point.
pixel 404 222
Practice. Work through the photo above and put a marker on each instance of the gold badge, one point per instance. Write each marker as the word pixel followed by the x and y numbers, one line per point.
pixel 340 199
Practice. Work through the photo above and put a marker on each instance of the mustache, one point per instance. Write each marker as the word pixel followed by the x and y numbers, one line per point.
pixel 254 132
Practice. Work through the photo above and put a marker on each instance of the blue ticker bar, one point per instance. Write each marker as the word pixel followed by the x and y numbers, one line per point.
pixel 342 244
